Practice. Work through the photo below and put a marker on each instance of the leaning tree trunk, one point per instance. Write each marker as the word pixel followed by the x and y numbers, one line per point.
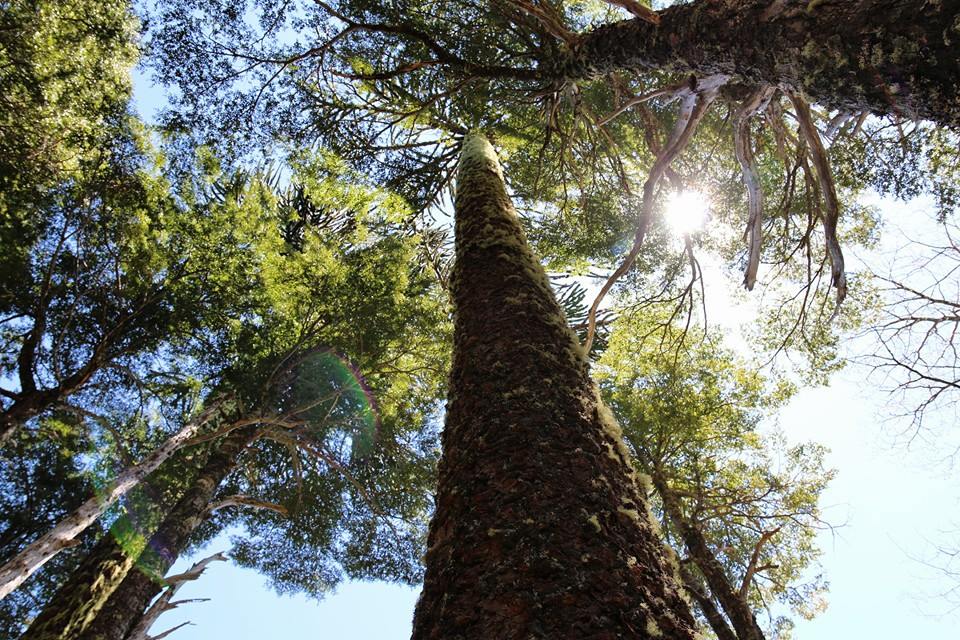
pixel 130 600
pixel 540 530
pixel 705 603
pixel 886 56
pixel 75 604
pixel 77 601
pixel 737 608
pixel 63 535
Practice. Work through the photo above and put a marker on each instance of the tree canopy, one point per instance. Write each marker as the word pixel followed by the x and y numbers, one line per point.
pixel 271 260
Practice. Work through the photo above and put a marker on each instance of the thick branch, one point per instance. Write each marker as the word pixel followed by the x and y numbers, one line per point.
pixel 887 56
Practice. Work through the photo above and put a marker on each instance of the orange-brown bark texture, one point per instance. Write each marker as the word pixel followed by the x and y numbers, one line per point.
pixel 541 529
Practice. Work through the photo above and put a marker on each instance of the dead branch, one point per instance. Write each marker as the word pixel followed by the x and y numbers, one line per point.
pixel 165 602
pixel 752 568
pixel 831 214
pixel 692 110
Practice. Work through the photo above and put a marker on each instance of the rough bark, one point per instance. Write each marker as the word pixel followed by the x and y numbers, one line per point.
pixel 540 529
pixel 885 56
pixel 129 601
pixel 77 602
pixel 737 609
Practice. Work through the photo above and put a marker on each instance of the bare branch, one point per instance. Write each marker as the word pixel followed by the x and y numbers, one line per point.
pixel 824 175
pixel 246 501
pixel 166 603
pixel 692 110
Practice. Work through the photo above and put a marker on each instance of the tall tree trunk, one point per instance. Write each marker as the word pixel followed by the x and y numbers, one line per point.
pixel 130 600
pixel 737 609
pixel 540 530
pixel 75 604
pixel 885 56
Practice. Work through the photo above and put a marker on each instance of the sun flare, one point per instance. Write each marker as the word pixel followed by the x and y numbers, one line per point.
pixel 687 212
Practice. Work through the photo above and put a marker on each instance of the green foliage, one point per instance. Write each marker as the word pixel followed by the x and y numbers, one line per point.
pixel 696 417
pixel 343 355
pixel 64 80
pixel 139 286
pixel 150 287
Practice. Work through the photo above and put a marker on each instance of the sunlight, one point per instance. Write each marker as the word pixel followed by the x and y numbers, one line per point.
pixel 687 212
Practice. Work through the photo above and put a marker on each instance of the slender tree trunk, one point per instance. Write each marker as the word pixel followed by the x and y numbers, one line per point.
pixel 540 530
pixel 885 56
pixel 737 609
pixel 129 601
pixel 75 604
pixel 64 533
pixel 706 605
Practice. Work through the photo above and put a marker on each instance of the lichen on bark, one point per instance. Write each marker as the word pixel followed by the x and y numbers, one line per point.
pixel 77 602
pixel 537 531
pixel 129 601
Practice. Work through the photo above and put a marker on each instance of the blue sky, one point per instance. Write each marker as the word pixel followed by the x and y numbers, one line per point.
pixel 896 503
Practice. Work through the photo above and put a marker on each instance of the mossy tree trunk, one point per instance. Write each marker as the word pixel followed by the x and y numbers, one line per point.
pixel 886 56
pixel 540 528
pixel 75 604
pixel 144 581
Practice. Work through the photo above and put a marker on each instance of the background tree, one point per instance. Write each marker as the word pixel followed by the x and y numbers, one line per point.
pixel 318 272
pixel 738 503
pixel 917 329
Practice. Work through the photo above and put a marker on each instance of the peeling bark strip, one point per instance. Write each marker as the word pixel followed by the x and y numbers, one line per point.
pixel 129 601
pixel 886 56
pixel 540 530
pixel 751 178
